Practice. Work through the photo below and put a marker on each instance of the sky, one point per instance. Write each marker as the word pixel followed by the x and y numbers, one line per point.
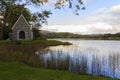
pixel 100 16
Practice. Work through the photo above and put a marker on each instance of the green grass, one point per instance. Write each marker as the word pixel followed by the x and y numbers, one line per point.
pixel 31 42
pixel 19 71
pixel 5 42
pixel 45 42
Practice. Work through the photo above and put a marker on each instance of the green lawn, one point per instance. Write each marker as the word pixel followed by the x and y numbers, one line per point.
pixel 19 71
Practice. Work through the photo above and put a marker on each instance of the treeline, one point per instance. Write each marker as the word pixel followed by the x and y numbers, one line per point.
pixel 92 36
pixel 103 36
pixel 60 35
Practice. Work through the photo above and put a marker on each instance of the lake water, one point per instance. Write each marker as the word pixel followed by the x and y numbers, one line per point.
pixel 96 57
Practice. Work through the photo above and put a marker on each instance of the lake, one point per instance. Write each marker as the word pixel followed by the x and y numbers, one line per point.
pixel 96 57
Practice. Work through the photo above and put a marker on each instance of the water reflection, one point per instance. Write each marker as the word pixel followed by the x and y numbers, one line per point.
pixel 86 57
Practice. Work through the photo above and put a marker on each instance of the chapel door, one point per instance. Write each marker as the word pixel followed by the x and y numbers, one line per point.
pixel 21 35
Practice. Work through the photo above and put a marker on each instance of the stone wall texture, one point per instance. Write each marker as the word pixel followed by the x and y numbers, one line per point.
pixel 21 25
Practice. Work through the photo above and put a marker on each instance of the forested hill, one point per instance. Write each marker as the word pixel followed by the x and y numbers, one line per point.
pixel 109 36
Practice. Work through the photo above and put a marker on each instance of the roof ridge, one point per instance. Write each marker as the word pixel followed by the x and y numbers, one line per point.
pixel 21 16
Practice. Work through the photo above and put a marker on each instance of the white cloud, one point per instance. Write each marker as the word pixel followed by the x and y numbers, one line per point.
pixel 102 21
pixel 82 29
pixel 99 11
pixel 110 17
pixel 115 9
pixel 66 28
pixel 101 28
pixel 87 1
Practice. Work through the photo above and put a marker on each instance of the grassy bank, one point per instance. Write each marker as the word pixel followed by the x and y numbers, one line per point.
pixel 41 42
pixel 18 71
pixel 24 51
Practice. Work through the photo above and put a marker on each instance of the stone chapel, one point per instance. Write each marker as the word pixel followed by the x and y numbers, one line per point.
pixel 21 30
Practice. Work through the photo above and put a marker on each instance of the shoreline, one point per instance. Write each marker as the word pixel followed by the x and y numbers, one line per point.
pixel 41 43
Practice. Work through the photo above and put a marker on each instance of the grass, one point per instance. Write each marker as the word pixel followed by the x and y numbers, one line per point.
pixel 43 42
pixel 19 71
pixel 46 42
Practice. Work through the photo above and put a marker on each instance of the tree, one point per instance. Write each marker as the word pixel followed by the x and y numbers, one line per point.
pixel 13 12
pixel 36 33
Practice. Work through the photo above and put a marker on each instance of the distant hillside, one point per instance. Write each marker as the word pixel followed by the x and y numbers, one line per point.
pixel 46 32
pixel 49 34
pixel 109 36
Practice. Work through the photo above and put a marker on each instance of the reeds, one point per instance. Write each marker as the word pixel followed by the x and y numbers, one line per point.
pixel 19 53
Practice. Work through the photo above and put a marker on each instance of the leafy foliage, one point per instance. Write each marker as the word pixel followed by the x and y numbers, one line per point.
pixel 13 12
pixel 41 18
pixel 76 5
pixel 36 33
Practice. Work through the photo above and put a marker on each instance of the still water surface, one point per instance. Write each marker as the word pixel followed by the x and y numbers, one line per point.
pixel 96 57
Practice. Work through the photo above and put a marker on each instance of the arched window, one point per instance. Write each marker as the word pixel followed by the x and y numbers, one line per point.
pixel 21 35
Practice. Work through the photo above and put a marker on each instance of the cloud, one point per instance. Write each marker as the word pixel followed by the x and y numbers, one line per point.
pixel 87 1
pixel 102 21
pixel 99 11
pixel 101 28
pixel 110 17
pixel 115 9
pixel 82 29
pixel 66 28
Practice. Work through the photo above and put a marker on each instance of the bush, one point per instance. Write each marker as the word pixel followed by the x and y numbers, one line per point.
pixel 36 33
pixel 17 42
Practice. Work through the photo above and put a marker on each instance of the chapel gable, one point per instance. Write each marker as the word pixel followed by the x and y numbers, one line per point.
pixel 21 30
